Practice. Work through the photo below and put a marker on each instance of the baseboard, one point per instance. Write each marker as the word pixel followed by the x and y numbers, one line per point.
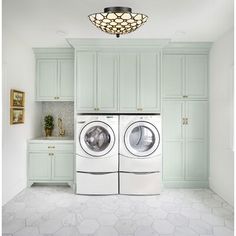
pixel 185 184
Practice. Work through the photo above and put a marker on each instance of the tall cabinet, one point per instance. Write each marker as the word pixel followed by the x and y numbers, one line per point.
pixel 185 115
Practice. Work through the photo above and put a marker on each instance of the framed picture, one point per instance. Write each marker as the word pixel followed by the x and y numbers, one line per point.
pixel 17 98
pixel 17 116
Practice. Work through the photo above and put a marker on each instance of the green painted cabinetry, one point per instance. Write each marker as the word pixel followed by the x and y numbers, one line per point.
pixel 117 82
pixel 54 74
pixel 96 84
pixel 50 162
pixel 185 159
pixel 185 76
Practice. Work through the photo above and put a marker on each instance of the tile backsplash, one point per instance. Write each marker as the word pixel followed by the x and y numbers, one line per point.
pixel 63 110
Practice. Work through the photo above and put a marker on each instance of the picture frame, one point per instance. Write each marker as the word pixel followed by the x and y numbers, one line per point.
pixel 17 116
pixel 17 98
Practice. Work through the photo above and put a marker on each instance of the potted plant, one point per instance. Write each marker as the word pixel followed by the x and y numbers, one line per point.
pixel 48 125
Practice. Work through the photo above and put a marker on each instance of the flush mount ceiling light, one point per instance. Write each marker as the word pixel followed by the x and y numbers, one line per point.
pixel 118 20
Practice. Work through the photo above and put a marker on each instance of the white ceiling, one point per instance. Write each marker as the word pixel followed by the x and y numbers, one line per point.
pixel 38 21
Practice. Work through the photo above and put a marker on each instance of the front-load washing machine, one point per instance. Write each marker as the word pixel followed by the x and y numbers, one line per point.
pixel 140 154
pixel 97 154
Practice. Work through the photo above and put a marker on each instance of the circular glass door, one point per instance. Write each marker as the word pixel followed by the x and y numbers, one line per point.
pixel 97 138
pixel 142 139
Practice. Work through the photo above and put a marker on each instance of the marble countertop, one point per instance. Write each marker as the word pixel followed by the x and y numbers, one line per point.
pixel 53 139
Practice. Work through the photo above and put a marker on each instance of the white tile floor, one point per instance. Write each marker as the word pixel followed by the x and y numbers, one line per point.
pixel 176 212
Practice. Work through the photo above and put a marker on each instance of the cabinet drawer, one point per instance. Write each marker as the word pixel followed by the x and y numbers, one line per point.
pixel 140 183
pixel 43 147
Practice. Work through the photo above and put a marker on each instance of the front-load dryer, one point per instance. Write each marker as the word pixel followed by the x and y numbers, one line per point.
pixel 140 154
pixel 97 154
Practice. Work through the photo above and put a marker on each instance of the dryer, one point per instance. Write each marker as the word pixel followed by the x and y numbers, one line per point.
pixel 140 154
pixel 97 154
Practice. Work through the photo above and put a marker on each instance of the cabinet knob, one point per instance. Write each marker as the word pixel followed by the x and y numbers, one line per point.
pixel 183 121
pixel 186 121
pixel 97 109
pixel 139 109
pixel 185 96
pixel 51 146
pixel 51 154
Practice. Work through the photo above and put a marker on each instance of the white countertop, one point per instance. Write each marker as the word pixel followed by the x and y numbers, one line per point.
pixel 53 139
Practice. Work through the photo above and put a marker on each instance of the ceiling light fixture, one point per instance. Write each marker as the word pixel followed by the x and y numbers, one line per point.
pixel 118 20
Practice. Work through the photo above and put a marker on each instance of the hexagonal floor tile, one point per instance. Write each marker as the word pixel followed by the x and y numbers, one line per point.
pixel 145 231
pixel 190 213
pixel 50 226
pixel 157 213
pixel 88 226
pixel 13 226
pixel 67 231
pixel 163 227
pixel 107 219
pixel 222 231
pixel 125 226
pixel 212 219
pixel 106 231
pixel 177 219
pixel 28 231
pixel 200 226
pixel 184 231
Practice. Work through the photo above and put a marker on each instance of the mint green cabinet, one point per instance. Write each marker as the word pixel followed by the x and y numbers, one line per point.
pixel 185 154
pixel 47 74
pixel 150 91
pixel 54 74
pixel 55 80
pixel 96 84
pixel 50 162
pixel 128 82
pixel 62 166
pixel 66 80
pixel 86 81
pixel 107 82
pixel 185 76
pixel 139 82
pixel 39 166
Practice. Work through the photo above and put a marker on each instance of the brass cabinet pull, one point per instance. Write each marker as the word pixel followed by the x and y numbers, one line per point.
pixel 183 121
pixel 97 109
pixel 51 146
pixel 185 96
pixel 51 154
pixel 139 109
pixel 186 121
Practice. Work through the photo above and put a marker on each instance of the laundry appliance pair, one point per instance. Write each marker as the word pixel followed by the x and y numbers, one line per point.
pixel 118 154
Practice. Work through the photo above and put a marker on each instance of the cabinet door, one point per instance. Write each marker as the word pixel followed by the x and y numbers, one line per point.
pixel 196 141
pixel 173 76
pixel 128 82
pixel 39 166
pixel 107 82
pixel 173 140
pixel 86 81
pixel 66 80
pixel 47 80
pixel 62 166
pixel 196 76
pixel 149 82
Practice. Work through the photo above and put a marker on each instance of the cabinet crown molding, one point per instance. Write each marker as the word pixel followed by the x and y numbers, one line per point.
pixel 187 48
pixel 88 44
pixel 54 53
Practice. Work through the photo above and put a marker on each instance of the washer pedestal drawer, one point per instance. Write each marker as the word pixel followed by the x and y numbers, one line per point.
pixel 140 183
pixel 96 183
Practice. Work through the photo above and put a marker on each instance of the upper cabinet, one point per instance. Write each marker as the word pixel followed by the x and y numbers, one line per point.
pixel 185 76
pixel 54 74
pixel 117 82
pixel 96 83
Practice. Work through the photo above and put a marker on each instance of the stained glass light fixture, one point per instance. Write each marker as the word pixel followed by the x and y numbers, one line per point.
pixel 118 20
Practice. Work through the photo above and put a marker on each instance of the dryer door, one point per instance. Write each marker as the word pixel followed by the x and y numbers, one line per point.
pixel 142 139
pixel 97 138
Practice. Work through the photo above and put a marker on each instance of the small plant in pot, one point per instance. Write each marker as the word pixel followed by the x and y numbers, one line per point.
pixel 48 125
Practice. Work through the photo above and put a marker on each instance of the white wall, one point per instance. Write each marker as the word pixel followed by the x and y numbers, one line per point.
pixel 18 73
pixel 221 117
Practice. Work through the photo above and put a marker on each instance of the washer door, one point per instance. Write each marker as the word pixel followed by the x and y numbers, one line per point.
pixel 142 139
pixel 97 139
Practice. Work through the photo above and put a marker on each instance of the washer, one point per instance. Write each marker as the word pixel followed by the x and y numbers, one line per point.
pixel 140 154
pixel 97 154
